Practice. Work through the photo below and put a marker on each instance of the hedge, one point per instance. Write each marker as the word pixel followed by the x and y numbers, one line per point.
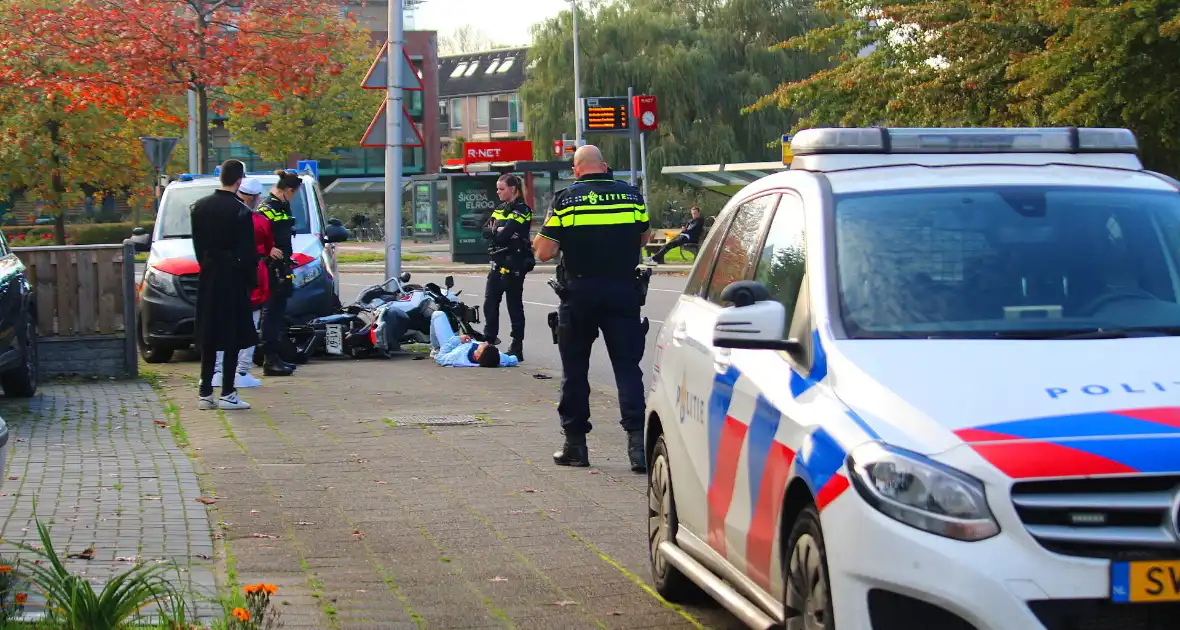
pixel 76 234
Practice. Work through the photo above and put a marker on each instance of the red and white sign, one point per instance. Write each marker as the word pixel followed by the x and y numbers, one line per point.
pixel 510 151
pixel 645 108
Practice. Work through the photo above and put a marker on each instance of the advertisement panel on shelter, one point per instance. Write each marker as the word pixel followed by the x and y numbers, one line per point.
pixel 472 201
pixel 425 209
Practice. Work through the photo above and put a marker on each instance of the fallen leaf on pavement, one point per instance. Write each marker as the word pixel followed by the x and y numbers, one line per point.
pixel 153 498
pixel 131 559
pixel 380 483
pixel 204 556
pixel 529 490
pixel 554 510
pixel 305 523
pixel 324 427
pixel 13 478
pixel 542 377
pixel 205 500
pixel 222 467
pixel 266 536
pixel 255 512
pixel 161 423
pixel 85 555
pixel 565 602
pixel 516 511
pixel 498 579
pixel 595 472
pixel 21 440
pixel 361 590
pixel 358 534
pixel 615 613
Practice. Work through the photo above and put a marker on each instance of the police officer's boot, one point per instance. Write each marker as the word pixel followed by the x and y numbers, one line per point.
pixel 275 366
pixel 517 348
pixel 573 453
pixel 635 450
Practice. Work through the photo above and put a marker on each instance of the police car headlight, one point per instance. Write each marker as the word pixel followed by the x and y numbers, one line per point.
pixel 307 273
pixel 922 493
pixel 161 281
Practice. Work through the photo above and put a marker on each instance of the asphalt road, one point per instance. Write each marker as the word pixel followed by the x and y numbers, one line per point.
pixel 539 300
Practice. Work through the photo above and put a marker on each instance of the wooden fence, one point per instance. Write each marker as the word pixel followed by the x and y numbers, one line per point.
pixel 86 294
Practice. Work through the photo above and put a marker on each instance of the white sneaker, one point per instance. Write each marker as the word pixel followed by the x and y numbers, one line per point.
pixel 207 403
pixel 232 402
pixel 246 379
pixel 433 353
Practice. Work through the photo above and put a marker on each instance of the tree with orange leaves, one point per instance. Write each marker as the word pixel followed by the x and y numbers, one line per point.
pixel 169 46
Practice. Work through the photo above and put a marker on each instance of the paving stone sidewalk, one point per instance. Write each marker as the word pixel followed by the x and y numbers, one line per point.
pixel 104 470
pixel 334 489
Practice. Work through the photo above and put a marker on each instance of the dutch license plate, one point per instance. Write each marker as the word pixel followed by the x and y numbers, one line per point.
pixel 1145 581
pixel 334 339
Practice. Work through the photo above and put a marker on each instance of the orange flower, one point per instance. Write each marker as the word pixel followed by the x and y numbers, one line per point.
pixel 250 589
pixel 4 568
pixel 22 598
pixel 270 589
pixel 241 614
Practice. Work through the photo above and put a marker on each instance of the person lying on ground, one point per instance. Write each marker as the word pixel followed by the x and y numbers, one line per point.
pixel 451 350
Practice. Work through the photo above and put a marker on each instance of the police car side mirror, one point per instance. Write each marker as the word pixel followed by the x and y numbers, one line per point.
pixel 141 239
pixel 755 322
pixel 449 281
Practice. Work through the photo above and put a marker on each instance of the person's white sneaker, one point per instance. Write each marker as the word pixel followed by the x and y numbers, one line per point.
pixel 207 403
pixel 246 379
pixel 232 402
pixel 433 353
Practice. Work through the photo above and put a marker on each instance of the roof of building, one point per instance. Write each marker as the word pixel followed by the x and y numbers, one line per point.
pixel 487 72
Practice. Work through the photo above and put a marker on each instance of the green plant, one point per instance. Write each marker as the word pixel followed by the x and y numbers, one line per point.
pixel 251 609
pixel 72 601
pixel 12 595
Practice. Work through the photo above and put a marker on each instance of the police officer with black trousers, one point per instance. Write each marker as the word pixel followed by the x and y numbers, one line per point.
pixel 277 208
pixel 599 225
pixel 507 233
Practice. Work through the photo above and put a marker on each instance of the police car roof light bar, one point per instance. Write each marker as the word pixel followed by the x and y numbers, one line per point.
pixel 900 140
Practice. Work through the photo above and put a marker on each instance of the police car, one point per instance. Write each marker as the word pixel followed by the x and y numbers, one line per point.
pixel 166 299
pixel 927 378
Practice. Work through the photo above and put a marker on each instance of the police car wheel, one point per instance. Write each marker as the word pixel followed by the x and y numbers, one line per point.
pixel 808 592
pixel 670 583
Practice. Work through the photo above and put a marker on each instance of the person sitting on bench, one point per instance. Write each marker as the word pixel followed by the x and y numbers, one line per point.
pixel 690 233
pixel 451 350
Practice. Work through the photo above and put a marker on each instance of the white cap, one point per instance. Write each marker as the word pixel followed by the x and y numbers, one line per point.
pixel 250 186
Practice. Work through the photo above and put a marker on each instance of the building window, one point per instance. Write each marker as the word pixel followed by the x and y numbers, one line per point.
pixel 507 64
pixel 456 113
pixel 413 101
pixel 471 69
pixel 481 112
pixel 458 71
pixel 492 66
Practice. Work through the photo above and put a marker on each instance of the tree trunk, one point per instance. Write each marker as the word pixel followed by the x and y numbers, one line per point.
pixel 203 128
pixel 59 219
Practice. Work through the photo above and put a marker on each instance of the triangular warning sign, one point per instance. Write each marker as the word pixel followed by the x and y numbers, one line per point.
pixel 375 134
pixel 376 77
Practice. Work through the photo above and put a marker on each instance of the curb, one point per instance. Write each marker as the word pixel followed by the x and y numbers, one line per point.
pixel 661 270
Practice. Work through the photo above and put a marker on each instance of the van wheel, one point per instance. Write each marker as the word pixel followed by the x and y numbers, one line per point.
pixel 152 353
pixel 670 583
pixel 808 592
pixel 21 382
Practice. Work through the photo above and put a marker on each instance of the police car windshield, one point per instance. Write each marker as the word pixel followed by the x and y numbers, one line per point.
pixel 1025 262
pixel 177 204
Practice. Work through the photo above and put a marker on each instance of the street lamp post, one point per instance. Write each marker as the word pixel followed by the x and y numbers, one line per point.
pixel 577 79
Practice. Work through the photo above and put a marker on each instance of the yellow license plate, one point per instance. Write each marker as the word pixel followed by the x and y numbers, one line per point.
pixel 1145 581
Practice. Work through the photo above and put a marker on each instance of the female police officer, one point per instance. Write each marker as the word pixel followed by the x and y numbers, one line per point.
pixel 512 257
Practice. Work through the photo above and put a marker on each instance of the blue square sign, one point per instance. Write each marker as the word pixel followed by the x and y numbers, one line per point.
pixel 311 165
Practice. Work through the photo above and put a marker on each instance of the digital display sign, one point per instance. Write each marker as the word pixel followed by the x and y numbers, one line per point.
pixel 606 114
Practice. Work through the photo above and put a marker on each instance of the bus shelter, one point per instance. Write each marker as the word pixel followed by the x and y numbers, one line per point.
pixel 723 179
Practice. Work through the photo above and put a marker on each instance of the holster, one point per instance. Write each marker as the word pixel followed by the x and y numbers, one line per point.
pixel 554 321
pixel 642 280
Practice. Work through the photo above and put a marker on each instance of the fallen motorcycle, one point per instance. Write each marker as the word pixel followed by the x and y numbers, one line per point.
pixel 382 318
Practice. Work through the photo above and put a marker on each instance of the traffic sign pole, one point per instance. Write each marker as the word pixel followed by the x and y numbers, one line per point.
pixel 643 162
pixel 393 143
pixel 633 132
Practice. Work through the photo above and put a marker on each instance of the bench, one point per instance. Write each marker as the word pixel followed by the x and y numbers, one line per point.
pixel 660 237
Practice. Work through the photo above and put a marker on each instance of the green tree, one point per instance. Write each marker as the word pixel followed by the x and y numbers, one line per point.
pixel 333 113
pixel 995 63
pixel 704 59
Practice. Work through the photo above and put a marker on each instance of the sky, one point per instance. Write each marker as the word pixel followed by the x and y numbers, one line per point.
pixel 505 22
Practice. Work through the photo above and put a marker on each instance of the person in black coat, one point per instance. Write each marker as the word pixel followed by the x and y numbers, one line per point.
pixel 223 240
pixel 690 232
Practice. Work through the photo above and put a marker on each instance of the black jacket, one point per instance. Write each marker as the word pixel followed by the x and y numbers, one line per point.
pixel 693 229
pixel 507 233
pixel 223 240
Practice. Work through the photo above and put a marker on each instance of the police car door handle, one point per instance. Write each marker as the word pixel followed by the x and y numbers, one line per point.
pixel 679 334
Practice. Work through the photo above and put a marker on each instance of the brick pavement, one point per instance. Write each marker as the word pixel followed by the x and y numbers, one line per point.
pixel 366 520
pixel 105 474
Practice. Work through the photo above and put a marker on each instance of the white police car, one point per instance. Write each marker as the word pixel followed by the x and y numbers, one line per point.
pixel 926 378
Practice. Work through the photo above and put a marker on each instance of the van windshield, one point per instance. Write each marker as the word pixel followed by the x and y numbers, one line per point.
pixel 177 204
pixel 1000 262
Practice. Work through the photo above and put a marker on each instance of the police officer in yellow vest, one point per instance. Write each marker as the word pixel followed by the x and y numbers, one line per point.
pixel 507 233
pixel 599 225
